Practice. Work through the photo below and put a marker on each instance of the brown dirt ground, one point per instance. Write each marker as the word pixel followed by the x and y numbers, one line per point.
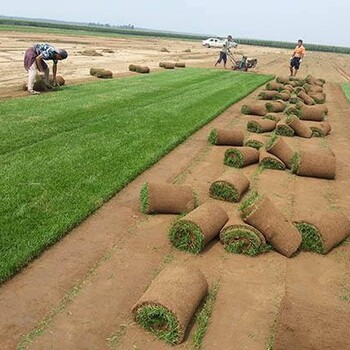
pixel 79 293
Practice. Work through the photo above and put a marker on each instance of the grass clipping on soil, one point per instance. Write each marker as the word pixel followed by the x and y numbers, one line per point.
pixel 192 232
pixel 170 302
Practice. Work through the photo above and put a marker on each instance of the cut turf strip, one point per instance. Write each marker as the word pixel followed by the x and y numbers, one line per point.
pixel 261 125
pixel 274 116
pixel 229 137
pixel 279 148
pixel 306 98
pixel 230 186
pixel 275 106
pixel 274 86
pixel 312 164
pixel 319 129
pixel 284 95
pixel 314 113
pixel 240 157
pixel 269 161
pixel 323 231
pixel 267 95
pixel 170 302
pixel 255 141
pixel 166 199
pixel 238 237
pixel 192 232
pixel 261 213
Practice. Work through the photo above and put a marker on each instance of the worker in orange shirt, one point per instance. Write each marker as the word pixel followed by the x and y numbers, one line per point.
pixel 297 57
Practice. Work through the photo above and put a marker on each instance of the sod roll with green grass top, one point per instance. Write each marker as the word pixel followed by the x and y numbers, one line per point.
pixel 284 95
pixel 239 157
pixel 280 148
pixel 192 232
pixel 255 141
pixel 261 213
pixel 300 129
pixel 314 113
pixel 295 99
pixel 269 161
pixel 237 237
pixel 283 129
pixel 180 65
pixel 261 125
pixel 254 109
pixel 312 164
pixel 142 69
pixel 132 67
pixel 275 106
pixel 170 302
pixel 323 231
pixel 105 74
pixel 166 198
pixel 229 137
pixel 274 116
pixel 282 80
pixel 319 129
pixel 167 65
pixel 267 95
pixel 316 88
pixel 272 85
pixel 306 98
pixel 230 186
pixel 94 71
pixel 288 87
pixel 318 97
pixel 293 110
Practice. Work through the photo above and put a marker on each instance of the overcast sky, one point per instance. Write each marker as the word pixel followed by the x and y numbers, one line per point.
pixel 315 21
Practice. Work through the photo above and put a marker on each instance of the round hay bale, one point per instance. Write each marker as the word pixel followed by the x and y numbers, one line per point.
pixel 170 302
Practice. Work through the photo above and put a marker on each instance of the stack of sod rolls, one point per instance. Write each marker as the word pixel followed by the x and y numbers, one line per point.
pixel 169 303
pixel 261 125
pixel 166 199
pixel 239 157
pixel 254 109
pixel 311 164
pixel 240 238
pixel 192 232
pixel 261 213
pixel 323 231
pixel 230 186
pixel 269 161
pixel 229 137
pixel 279 148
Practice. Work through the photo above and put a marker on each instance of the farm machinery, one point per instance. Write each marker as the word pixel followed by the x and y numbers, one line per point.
pixel 243 64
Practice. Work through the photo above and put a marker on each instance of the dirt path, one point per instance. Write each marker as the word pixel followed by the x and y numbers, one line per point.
pixel 106 263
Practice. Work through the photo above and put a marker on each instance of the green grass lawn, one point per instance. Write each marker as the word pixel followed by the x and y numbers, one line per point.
pixel 63 154
pixel 346 89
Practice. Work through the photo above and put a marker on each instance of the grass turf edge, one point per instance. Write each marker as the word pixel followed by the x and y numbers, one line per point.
pixel 224 191
pixel 233 158
pixel 311 240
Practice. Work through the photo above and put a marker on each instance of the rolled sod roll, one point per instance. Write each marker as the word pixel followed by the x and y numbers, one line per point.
pixel 255 141
pixel 323 231
pixel 316 88
pixel 275 106
pixel 94 71
pixel 192 232
pixel 254 109
pixel 132 67
pixel 166 199
pixel 269 161
pixel 284 95
pixel 314 113
pixel 319 129
pixel 295 99
pixel 293 110
pixel 298 126
pixel 279 148
pixel 142 69
pixel 59 80
pixel 299 88
pixel 267 95
pixel 274 86
pixel 282 80
pixel 311 164
pixel 167 65
pixel 180 64
pixel 274 116
pixel 283 129
pixel 306 98
pixel 261 213
pixel 318 97
pixel 288 87
pixel 239 157
pixel 169 303
pixel 105 74
pixel 230 186
pixel 240 238
pixel 261 125
pixel 229 137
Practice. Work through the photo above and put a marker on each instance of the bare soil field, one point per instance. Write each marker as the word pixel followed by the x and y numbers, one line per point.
pixel 79 293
